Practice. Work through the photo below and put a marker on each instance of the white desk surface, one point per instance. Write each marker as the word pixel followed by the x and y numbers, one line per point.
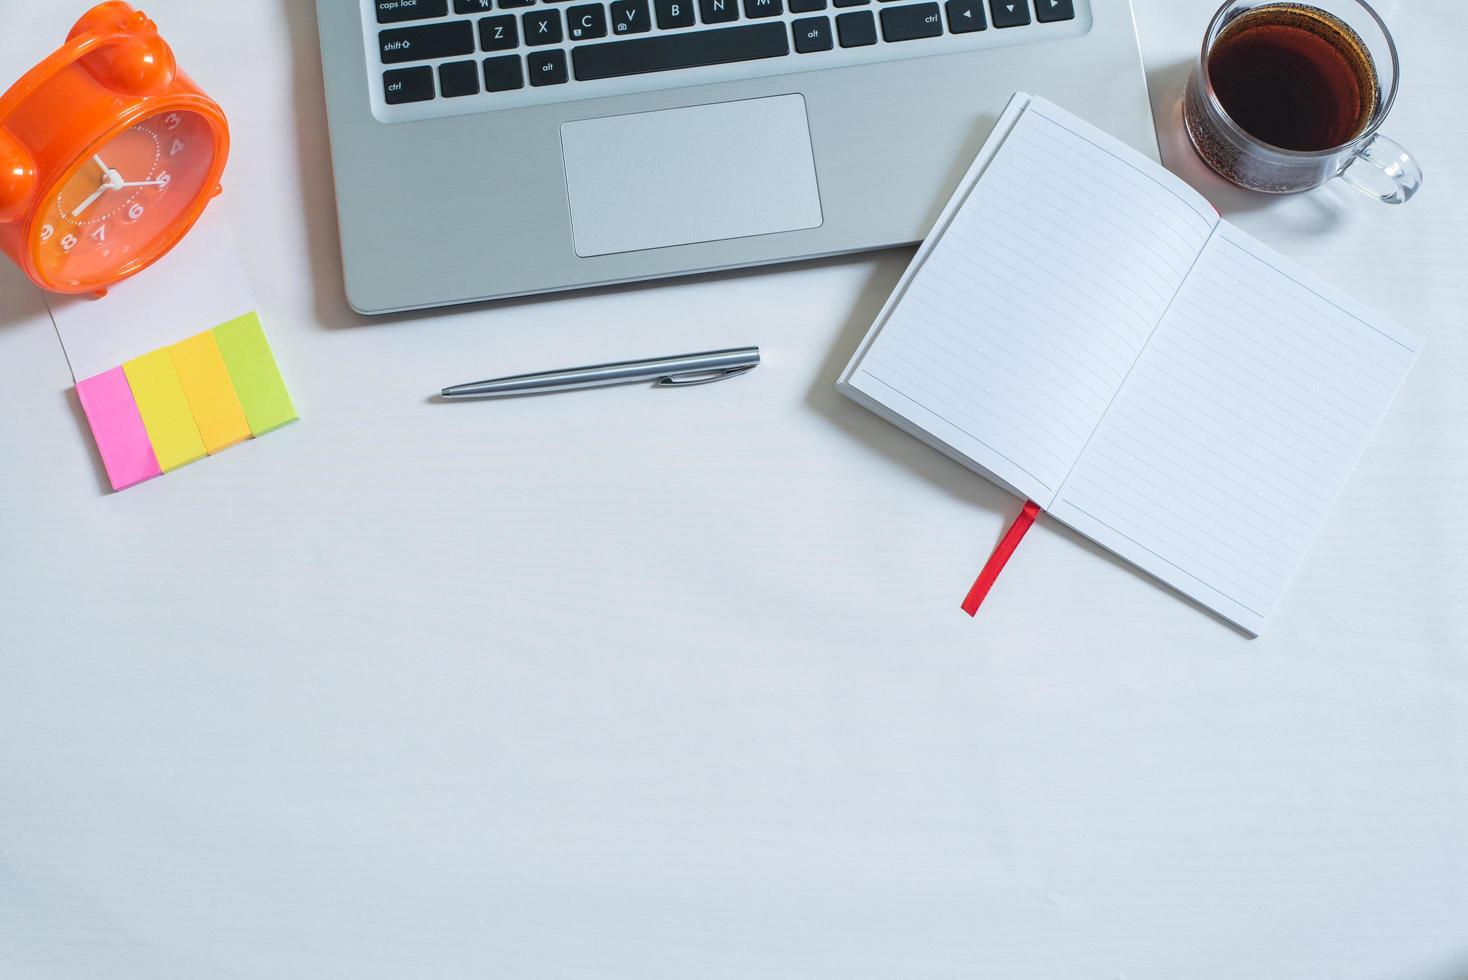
pixel 671 684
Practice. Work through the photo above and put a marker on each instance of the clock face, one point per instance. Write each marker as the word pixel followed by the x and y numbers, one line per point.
pixel 119 205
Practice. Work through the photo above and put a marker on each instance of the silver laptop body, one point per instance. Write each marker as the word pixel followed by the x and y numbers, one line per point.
pixel 652 138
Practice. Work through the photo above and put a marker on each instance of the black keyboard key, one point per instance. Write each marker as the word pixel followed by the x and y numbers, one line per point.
pixel 856 29
pixel 910 23
pixel 429 41
pixel 812 34
pixel 503 74
pixel 664 52
pixel 718 11
pixel 407 85
pixel 499 33
pixel 806 6
pixel 763 8
pixel 516 3
pixel 965 16
pixel 1049 11
pixel 458 78
pixel 542 27
pixel 852 3
pixel 674 13
pixel 472 6
pixel 630 17
pixel 586 22
pixel 547 67
pixel 1010 13
pixel 396 11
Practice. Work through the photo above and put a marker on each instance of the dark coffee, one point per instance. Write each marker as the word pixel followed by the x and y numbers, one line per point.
pixel 1294 76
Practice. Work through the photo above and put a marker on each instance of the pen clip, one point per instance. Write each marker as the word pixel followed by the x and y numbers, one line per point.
pixel 701 377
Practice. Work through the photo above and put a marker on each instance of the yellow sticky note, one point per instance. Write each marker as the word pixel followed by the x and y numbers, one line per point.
pixel 211 396
pixel 165 409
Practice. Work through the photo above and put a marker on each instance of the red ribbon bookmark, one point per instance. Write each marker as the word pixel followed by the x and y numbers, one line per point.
pixel 1001 554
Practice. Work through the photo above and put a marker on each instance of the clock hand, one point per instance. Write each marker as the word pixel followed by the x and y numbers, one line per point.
pixel 110 181
pixel 140 183
pixel 77 213
pixel 97 159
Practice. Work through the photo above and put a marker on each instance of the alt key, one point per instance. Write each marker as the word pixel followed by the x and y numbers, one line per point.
pixel 811 34
pixel 547 67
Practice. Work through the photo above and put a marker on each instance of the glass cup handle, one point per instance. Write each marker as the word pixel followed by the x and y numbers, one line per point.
pixel 1383 170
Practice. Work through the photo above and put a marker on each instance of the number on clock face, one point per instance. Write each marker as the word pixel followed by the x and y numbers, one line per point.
pixel 124 196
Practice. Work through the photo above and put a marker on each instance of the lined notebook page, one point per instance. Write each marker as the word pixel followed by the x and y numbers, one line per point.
pixel 1018 327
pixel 1233 436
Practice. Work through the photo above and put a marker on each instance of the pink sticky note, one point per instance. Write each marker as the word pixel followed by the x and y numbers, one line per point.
pixel 118 428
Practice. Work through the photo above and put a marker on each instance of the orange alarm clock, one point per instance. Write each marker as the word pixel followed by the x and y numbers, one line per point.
pixel 108 155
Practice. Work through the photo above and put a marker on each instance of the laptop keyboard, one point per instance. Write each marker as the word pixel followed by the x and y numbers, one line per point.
pixel 432 58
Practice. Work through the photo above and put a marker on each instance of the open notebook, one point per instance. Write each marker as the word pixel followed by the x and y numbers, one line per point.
pixel 1083 328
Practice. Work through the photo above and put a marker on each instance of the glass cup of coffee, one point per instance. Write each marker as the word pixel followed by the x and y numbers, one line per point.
pixel 1285 96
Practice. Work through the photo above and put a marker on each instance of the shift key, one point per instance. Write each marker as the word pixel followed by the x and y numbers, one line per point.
pixel 429 41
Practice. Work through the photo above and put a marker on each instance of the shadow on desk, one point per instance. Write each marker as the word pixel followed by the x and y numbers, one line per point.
pixel 1324 207
pixel 20 299
pixel 314 162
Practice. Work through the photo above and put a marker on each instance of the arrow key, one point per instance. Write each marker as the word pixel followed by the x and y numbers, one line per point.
pixel 1052 10
pixel 965 16
pixel 1011 13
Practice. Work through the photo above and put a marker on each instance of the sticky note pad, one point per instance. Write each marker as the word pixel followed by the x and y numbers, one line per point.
pixel 118 429
pixel 165 409
pixel 211 395
pixel 256 378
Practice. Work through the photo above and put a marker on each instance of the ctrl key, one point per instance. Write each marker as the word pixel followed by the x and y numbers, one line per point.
pixel 407 85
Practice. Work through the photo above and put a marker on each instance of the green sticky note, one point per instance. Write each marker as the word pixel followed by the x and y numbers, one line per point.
pixel 253 372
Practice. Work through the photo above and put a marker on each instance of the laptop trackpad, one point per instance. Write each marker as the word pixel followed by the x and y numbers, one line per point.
pixel 698 174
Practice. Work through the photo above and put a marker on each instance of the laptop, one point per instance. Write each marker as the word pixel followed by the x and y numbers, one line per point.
pixel 493 148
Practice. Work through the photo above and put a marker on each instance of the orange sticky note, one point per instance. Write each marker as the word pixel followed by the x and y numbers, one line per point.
pixel 212 399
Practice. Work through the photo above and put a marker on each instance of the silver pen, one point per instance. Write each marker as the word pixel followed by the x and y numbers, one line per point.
pixel 666 372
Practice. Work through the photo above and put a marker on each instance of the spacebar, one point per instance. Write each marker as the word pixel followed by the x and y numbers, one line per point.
pixel 670 51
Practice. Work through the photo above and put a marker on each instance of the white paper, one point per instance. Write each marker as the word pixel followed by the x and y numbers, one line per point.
pixel 1017 330
pixel 1083 329
pixel 195 287
pixel 1235 433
